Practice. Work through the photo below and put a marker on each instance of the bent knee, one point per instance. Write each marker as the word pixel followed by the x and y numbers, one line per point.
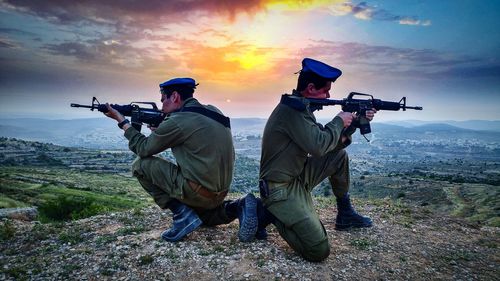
pixel 317 252
pixel 342 154
pixel 138 165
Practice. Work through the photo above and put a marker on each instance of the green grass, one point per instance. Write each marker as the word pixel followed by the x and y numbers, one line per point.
pixel 63 194
pixel 363 244
pixel 17 273
pixel 131 230
pixel 105 239
pixel 476 202
pixel 72 237
pixel 322 202
pixel 146 259
pixel 170 254
pixel 22 186
pixel 103 183
pixel 6 202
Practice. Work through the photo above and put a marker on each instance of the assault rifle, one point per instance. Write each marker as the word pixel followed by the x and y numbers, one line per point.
pixel 139 115
pixel 360 106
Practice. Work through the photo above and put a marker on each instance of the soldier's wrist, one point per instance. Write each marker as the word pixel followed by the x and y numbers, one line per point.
pixel 123 123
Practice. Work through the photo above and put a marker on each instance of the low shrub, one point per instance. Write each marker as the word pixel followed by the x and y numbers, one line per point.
pixel 7 230
pixel 69 208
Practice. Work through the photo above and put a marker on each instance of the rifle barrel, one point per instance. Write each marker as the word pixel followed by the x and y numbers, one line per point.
pixel 414 107
pixel 81 105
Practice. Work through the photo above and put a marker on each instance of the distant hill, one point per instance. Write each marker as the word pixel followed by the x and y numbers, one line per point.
pixel 442 131
pixel 440 127
pixel 90 133
pixel 479 125
pixel 101 133
pixel 431 127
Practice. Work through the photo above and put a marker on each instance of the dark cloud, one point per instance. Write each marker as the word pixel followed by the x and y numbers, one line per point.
pixel 419 63
pixel 16 73
pixel 471 72
pixel 154 13
pixel 103 51
pixel 133 12
pixel 73 49
pixel 16 31
pixel 7 44
pixel 123 21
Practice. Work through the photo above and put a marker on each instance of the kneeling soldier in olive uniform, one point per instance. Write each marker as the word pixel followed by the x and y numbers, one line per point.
pixel 297 154
pixel 193 189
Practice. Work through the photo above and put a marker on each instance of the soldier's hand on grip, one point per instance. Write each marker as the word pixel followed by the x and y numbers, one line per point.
pixel 370 114
pixel 346 117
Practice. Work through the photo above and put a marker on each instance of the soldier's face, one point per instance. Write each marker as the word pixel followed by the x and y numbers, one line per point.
pixel 170 103
pixel 322 93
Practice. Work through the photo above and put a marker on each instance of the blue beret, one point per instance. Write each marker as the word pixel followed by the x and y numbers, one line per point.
pixel 179 81
pixel 321 69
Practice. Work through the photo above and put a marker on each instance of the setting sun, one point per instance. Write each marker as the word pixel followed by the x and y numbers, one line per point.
pixel 250 60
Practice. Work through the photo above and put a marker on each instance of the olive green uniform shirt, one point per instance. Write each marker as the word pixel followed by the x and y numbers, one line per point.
pixel 202 147
pixel 292 135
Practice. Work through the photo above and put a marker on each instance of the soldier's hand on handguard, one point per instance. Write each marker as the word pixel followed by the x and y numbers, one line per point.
pixel 152 128
pixel 114 114
pixel 370 114
pixel 346 117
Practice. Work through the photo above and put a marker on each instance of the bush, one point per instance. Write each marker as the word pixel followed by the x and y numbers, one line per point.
pixel 69 208
pixel 46 159
pixel 7 231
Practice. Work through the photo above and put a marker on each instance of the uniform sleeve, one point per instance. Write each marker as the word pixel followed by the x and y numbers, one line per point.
pixel 167 135
pixel 310 137
pixel 346 143
pixel 347 133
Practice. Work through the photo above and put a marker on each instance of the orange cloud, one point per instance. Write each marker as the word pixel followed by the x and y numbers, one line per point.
pixel 230 64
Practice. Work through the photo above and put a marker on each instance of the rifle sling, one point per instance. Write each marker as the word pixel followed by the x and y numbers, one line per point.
pixel 293 103
pixel 225 121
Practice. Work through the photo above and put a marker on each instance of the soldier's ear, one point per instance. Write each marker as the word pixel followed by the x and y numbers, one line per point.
pixel 176 97
pixel 310 87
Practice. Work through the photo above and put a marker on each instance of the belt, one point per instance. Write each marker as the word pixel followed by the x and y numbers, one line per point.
pixel 203 191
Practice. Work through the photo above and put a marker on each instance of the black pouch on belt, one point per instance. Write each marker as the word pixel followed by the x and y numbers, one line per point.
pixel 264 189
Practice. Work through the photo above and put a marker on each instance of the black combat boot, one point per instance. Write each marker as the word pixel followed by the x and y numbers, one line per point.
pixel 265 218
pixel 348 218
pixel 245 209
pixel 185 221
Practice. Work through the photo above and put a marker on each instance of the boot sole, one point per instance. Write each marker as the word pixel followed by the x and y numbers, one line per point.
pixel 249 223
pixel 262 235
pixel 344 227
pixel 184 232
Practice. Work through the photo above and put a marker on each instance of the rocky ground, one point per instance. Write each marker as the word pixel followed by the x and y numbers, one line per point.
pixel 406 243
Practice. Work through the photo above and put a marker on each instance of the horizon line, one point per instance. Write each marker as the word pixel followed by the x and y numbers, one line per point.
pixel 262 118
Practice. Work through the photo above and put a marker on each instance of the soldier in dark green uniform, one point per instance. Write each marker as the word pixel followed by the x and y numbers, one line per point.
pixel 195 187
pixel 297 154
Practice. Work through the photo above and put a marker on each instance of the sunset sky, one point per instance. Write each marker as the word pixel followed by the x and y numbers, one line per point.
pixel 442 55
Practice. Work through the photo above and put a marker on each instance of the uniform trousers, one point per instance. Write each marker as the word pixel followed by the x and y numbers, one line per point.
pixel 291 203
pixel 164 181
